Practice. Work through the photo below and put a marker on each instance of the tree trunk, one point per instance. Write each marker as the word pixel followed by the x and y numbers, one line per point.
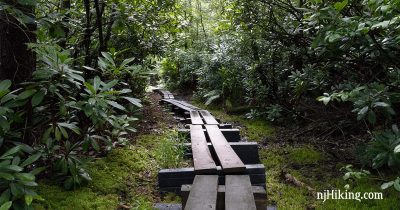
pixel 65 5
pixel 88 33
pixel 17 62
pixel 99 22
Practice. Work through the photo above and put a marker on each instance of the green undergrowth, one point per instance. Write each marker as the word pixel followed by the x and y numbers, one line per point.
pixel 253 130
pixel 307 164
pixel 316 170
pixel 126 176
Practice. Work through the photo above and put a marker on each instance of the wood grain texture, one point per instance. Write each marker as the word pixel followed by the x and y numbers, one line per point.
pixel 202 159
pixel 196 118
pixel 203 194
pixel 239 193
pixel 208 118
pixel 229 160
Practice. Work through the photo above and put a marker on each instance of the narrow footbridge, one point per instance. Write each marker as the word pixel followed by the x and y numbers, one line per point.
pixel 226 172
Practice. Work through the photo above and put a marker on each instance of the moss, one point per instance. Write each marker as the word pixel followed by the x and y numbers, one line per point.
pixel 57 198
pixel 125 176
pixel 305 155
pixel 109 174
pixel 172 198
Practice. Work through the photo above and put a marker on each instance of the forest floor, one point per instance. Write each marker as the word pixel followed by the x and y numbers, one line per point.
pixel 127 177
pixel 299 164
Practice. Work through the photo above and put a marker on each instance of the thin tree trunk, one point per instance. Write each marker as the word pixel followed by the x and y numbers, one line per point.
pixel 110 24
pixel 17 62
pixel 99 24
pixel 65 5
pixel 88 33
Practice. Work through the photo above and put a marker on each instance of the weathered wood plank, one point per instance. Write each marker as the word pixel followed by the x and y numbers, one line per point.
pixel 239 193
pixel 189 172
pixel 196 119
pixel 247 151
pixel 229 160
pixel 260 196
pixel 231 135
pixel 203 194
pixel 202 159
pixel 256 179
pixel 178 105
pixel 208 118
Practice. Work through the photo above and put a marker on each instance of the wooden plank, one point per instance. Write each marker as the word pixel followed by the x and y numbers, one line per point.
pixel 239 193
pixel 229 160
pixel 203 194
pixel 260 196
pixel 231 135
pixel 188 105
pixel 189 172
pixel 202 159
pixel 208 118
pixel 247 151
pixel 195 118
pixel 255 179
pixel 180 106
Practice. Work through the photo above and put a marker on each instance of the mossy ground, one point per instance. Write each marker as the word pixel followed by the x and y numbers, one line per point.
pixel 309 165
pixel 126 176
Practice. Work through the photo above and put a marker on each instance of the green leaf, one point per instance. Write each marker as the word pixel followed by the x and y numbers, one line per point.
pixel 109 85
pixel 25 176
pixel 339 6
pixel 127 61
pixel 31 159
pixel 116 105
pixel 7 176
pixel 28 199
pixel 95 144
pixel 387 185
pixel 5 196
pixel 134 101
pixel 372 117
pixel 71 126
pixel 29 183
pixel 38 98
pixel 383 24
pixel 108 57
pixel 96 83
pixel 58 134
pixel 211 99
pixel 90 87
pixel 6 205
pixel 37 171
pixel 11 151
pixel 324 99
pixel 362 112
pixel 397 149
pixel 381 104
pixel 4 85
pixel 14 168
pixel 396 184
pixel 26 94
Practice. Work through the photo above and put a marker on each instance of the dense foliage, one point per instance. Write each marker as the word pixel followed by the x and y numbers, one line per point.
pixel 82 96
pixel 73 79
pixel 333 62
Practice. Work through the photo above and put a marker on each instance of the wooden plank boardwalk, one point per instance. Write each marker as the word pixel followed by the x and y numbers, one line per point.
pixel 219 178
pixel 202 159
pixel 229 160
pixel 204 193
